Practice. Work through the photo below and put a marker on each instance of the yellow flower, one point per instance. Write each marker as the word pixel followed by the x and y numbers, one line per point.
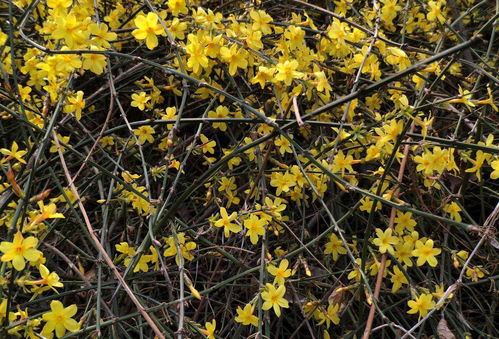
pixel 94 62
pixel 488 101
pixel 389 12
pixel 261 21
pixel 453 209
pixel 245 315
pixel 197 54
pixel 253 39
pixel 139 100
pixel 398 278
pixel 403 252
pixel 207 145
pixel 284 145
pixel 397 57
pixel 59 6
pixel 286 71
pixel 60 319
pixel 177 29
pixel 495 166
pixel 464 98
pixel 107 141
pixel 51 279
pixel 321 82
pixel 221 112
pixel 282 181
pixel 101 35
pixel 435 12
pixel 335 247
pixel 342 163
pixel 144 133
pixel 69 28
pixel 147 29
pixel 19 250
pixel 404 221
pixel 3 310
pixel 227 184
pixel 421 305
pixel 426 253
pixel 62 140
pixel 271 209
pixel 475 273
pixel 46 212
pixel 256 228
pixel 210 329
pixel 477 164
pixel 225 221
pixel 177 7
pixel 440 291
pixel 263 75
pixel 274 298
pixel 125 249
pixel 375 266
pixel 281 272
pixel 76 104
pixel 24 92
pixel 385 240
pixel 294 37
pixel 235 57
pixel 329 315
pixel 13 153
pixel 185 247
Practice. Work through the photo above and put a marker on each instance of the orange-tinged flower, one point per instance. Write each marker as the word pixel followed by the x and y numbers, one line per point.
pixel 13 153
pixel 50 279
pixel 46 212
pixel 210 329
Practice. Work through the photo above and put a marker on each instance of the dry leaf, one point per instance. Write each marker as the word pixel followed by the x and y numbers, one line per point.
pixel 443 330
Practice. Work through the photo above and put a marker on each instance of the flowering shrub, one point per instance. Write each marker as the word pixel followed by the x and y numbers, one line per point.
pixel 248 168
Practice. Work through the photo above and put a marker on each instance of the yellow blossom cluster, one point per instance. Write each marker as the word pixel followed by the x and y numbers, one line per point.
pixel 287 169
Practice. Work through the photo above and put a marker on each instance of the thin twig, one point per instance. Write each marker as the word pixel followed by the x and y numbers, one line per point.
pixel 99 246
